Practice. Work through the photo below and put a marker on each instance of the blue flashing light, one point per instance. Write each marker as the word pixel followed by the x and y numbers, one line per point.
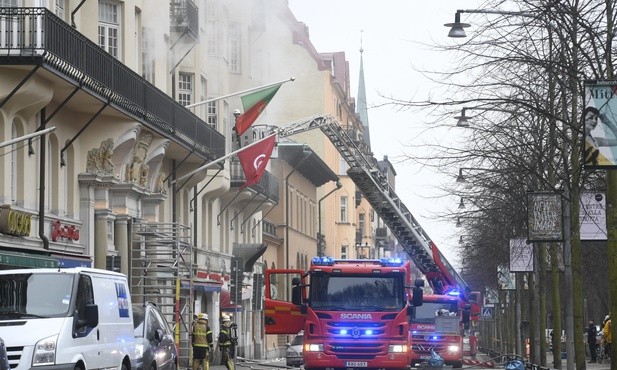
pixel 368 332
pixel 343 331
pixel 323 261
pixel 454 293
pixel 434 337
pixel 393 262
pixel 414 332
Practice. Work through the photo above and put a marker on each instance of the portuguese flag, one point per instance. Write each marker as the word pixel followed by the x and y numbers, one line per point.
pixel 254 159
pixel 253 104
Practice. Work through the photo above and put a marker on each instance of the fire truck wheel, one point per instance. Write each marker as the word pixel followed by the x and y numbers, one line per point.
pixel 457 365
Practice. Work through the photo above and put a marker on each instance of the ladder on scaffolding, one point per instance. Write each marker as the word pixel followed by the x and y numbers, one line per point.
pixel 162 272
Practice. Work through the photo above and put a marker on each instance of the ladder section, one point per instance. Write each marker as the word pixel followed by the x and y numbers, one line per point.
pixel 374 186
pixel 162 272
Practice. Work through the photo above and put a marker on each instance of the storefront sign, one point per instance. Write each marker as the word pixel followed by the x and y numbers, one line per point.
pixel 66 232
pixel 15 222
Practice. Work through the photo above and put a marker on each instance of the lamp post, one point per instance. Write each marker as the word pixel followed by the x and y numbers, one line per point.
pixel 306 154
pixel 320 237
pixel 457 30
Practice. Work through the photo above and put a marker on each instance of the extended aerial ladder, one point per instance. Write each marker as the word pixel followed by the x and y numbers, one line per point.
pixel 374 186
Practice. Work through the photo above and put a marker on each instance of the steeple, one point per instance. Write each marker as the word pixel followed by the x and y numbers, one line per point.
pixel 361 106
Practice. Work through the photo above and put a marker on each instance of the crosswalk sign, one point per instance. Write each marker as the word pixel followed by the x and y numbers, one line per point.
pixel 487 312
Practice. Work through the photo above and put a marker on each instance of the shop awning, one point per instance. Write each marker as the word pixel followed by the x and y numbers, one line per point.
pixel 26 260
pixel 203 286
pixel 225 302
pixel 67 261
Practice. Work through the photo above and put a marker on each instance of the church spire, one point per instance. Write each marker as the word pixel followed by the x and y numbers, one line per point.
pixel 362 107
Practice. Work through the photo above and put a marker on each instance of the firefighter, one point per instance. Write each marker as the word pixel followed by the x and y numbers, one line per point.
pixel 202 342
pixel 226 343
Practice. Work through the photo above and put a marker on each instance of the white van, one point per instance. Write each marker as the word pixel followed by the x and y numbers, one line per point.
pixel 66 319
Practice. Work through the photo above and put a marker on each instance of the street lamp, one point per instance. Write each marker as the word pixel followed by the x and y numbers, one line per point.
pixel 457 29
pixel 306 154
pixel 320 236
pixel 462 120
pixel 461 205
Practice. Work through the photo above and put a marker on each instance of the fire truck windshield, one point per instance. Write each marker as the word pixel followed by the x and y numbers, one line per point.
pixel 357 292
pixel 429 310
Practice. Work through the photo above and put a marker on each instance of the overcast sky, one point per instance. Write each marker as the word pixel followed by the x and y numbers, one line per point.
pixel 394 34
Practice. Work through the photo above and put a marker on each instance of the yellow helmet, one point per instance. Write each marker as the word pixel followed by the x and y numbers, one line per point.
pixel 202 316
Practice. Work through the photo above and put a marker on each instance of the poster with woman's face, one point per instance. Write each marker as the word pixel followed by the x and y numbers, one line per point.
pixel 600 124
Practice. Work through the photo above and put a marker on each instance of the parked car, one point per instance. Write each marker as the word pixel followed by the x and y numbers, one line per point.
pixel 156 348
pixel 4 358
pixel 293 355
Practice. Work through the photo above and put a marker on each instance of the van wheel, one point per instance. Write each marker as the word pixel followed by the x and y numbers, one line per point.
pixel 124 367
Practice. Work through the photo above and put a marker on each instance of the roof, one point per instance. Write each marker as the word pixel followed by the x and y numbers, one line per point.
pixel 313 168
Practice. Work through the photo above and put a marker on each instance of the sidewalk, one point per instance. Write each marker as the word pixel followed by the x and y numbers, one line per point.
pixel 254 364
pixel 564 363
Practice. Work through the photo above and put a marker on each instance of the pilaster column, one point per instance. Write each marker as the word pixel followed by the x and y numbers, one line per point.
pixel 103 237
pixel 121 240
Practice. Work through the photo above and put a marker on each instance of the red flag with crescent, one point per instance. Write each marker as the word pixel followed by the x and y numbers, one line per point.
pixel 254 159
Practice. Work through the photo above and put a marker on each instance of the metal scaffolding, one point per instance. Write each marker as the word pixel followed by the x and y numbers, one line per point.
pixel 162 272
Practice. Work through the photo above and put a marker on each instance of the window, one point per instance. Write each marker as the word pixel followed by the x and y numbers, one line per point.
pixel 14 166
pixel 344 249
pixel 203 109
pixel 60 5
pixel 211 29
pixel 185 88
pixel 235 48
pixel 361 223
pixel 147 54
pixel 9 3
pixel 343 166
pixel 212 114
pixel 109 27
pixel 85 296
pixel 343 209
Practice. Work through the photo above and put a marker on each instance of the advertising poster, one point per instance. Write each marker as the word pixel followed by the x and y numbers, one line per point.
pixel 521 255
pixel 600 124
pixel 544 217
pixel 506 279
pixel 592 215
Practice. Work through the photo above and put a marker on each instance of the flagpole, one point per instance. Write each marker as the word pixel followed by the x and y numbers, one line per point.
pixel 216 161
pixel 239 93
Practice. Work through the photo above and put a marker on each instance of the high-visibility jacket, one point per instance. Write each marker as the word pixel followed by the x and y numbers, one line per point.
pixel 606 331
pixel 202 335
pixel 224 337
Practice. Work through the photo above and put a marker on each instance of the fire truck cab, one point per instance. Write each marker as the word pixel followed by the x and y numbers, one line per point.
pixel 354 313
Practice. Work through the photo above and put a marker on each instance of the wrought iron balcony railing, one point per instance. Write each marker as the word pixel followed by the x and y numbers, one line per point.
pixel 36 36
pixel 184 17
pixel 381 233
pixel 268 185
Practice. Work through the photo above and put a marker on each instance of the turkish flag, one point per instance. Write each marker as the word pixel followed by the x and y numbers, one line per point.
pixel 254 159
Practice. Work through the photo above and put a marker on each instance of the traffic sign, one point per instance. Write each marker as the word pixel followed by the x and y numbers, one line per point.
pixel 487 312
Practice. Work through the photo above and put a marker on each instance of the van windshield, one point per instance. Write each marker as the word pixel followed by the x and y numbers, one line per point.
pixel 35 295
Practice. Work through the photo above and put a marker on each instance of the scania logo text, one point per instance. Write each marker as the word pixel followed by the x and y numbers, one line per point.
pixel 363 316
pixel 429 327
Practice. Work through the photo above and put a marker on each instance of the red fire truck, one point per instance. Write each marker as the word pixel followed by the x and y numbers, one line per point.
pixel 412 238
pixel 354 313
pixel 438 325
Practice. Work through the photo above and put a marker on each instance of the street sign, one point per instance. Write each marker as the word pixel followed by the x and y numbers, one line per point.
pixel 487 312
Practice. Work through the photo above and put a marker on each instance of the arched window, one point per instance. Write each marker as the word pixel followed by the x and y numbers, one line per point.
pixel 54 198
